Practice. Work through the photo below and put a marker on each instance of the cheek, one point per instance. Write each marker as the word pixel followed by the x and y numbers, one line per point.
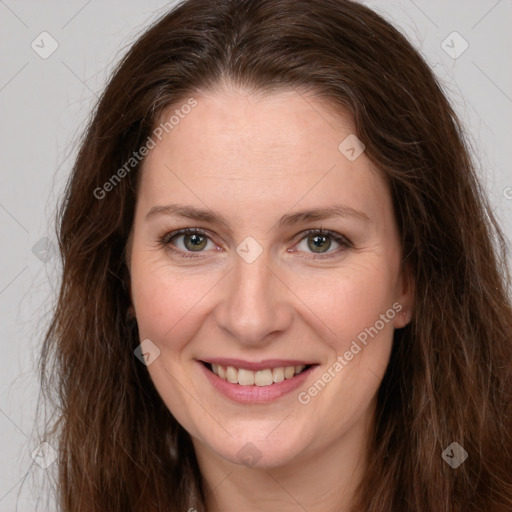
pixel 169 306
pixel 349 300
pixel 354 316
pixel 166 306
pixel 170 302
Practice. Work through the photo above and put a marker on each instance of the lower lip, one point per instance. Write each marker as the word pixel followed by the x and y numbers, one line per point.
pixel 255 394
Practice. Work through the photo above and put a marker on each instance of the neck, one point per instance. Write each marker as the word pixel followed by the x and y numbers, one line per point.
pixel 320 479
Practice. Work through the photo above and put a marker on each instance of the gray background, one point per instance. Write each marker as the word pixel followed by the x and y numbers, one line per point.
pixel 45 102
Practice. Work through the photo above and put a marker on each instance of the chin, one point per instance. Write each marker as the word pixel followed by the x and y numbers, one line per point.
pixel 257 452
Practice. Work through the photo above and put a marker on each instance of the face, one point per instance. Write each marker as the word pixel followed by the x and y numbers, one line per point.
pixel 271 319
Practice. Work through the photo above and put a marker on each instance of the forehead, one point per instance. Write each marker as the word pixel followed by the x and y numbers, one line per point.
pixel 237 148
pixel 230 123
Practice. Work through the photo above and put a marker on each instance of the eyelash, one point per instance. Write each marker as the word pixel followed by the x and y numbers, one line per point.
pixel 344 242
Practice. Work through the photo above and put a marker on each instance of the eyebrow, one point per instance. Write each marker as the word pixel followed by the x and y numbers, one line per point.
pixel 287 220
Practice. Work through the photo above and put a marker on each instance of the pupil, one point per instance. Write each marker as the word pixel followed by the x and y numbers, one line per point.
pixel 318 240
pixel 197 241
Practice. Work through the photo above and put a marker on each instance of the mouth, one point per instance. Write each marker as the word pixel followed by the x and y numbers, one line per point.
pixel 261 382
pixel 262 377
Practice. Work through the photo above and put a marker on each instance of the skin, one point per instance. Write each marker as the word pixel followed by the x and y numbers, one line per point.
pixel 254 158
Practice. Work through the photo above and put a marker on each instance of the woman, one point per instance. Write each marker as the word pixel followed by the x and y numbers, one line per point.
pixel 283 287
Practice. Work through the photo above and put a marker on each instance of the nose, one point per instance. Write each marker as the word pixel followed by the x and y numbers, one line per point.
pixel 255 305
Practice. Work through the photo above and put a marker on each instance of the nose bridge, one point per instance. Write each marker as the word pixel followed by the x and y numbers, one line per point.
pixel 255 303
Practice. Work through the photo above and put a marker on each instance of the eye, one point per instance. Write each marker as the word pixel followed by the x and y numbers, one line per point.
pixel 319 241
pixel 186 241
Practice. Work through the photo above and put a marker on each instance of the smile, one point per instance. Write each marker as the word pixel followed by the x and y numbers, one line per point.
pixel 256 383
pixel 265 377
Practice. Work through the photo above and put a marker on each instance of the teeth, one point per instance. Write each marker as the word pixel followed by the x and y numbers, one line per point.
pixel 259 378
pixel 231 375
pixel 289 372
pixel 278 374
pixel 263 378
pixel 245 377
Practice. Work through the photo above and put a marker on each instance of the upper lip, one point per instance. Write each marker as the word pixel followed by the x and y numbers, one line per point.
pixel 256 365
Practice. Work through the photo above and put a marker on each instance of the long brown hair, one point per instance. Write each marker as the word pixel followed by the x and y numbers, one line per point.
pixel 449 377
